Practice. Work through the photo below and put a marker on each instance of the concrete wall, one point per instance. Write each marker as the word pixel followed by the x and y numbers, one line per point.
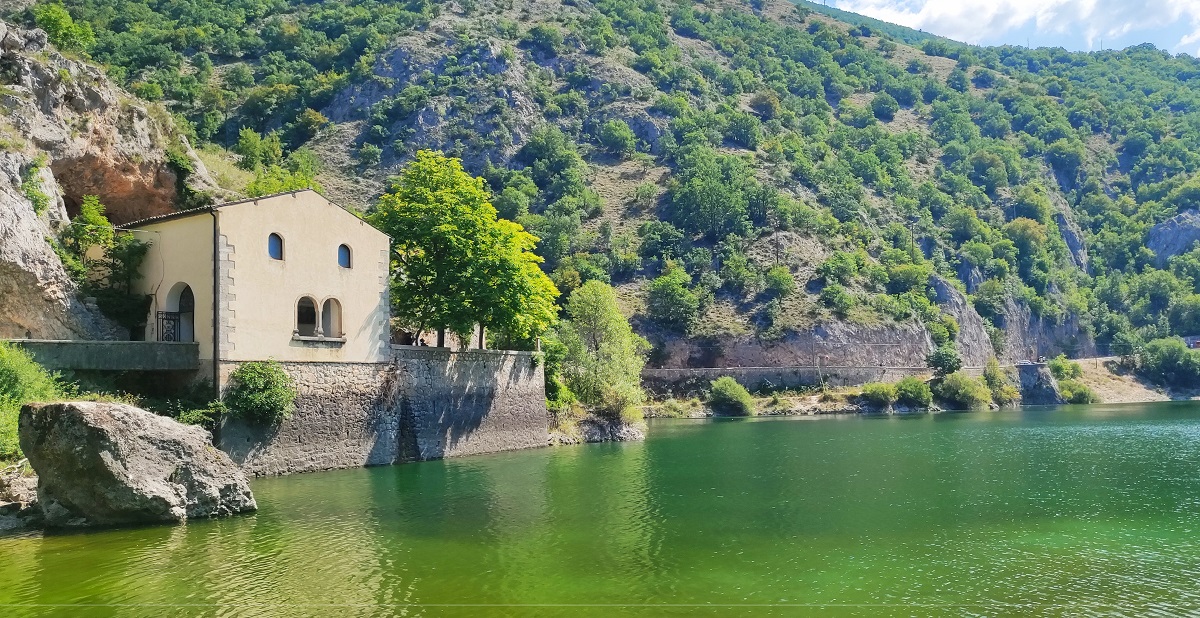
pixel 425 404
pixel 112 355
pixel 686 382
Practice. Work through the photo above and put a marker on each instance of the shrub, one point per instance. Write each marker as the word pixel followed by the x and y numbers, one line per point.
pixel 730 398
pixel 879 394
pixel 618 138
pixel 670 302
pixel 780 282
pixel 260 392
pixel 884 106
pixel 21 381
pixel 914 392
pixel 963 391
pixel 1003 392
pixel 1076 392
pixel 944 360
pixel 1064 369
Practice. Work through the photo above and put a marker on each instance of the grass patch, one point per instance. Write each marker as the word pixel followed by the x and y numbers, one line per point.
pixel 222 166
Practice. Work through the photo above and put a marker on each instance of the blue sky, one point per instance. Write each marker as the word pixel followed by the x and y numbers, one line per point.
pixel 1078 25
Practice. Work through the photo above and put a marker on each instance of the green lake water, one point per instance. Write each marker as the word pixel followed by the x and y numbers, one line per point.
pixel 1075 511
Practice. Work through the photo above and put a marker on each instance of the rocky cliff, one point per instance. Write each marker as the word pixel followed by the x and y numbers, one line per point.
pixel 67 132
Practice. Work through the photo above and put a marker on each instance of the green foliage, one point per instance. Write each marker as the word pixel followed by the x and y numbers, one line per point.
pixel 63 31
pixel 879 394
pixel 1118 131
pixel 729 398
pixel 779 282
pixel 604 358
pixel 1074 391
pixel 1003 391
pixel 22 381
pixel 837 299
pixel 914 393
pixel 944 360
pixel 618 138
pixel 961 391
pixel 1169 362
pixel 260 392
pixel 1064 369
pixel 884 106
pixel 671 303
pixel 455 263
pixel 31 185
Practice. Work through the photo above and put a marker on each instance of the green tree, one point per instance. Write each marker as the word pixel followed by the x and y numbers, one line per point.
pixel 944 360
pixel 914 392
pixel 63 31
pixel 455 264
pixel 669 301
pixel 604 359
pixel 618 138
pixel 884 106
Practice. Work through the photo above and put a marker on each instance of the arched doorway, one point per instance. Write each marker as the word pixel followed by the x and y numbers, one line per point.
pixel 178 322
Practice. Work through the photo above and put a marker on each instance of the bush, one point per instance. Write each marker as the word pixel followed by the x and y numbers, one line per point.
pixel 1003 392
pixel 670 302
pixel 944 360
pixel 914 393
pixel 21 381
pixel 260 392
pixel 879 394
pixel 780 282
pixel 964 392
pixel 618 138
pixel 730 398
pixel 1064 369
pixel 1076 392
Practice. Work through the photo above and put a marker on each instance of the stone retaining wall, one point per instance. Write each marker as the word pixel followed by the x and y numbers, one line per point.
pixel 428 403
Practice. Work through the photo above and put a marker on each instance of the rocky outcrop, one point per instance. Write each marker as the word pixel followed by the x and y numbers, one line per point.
pixel 1038 386
pixel 1027 337
pixel 109 463
pixel 1174 236
pixel 973 342
pixel 593 429
pixel 67 132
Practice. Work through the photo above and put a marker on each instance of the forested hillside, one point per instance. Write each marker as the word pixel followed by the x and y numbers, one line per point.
pixel 746 175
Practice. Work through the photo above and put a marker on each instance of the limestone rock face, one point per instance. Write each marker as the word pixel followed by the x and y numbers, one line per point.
pixel 1174 236
pixel 67 132
pixel 108 463
pixel 1038 386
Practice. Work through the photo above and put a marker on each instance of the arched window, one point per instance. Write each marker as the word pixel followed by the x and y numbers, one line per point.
pixel 344 256
pixel 331 318
pixel 306 317
pixel 275 246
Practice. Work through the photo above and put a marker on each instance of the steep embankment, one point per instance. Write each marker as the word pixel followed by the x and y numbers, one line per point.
pixel 67 132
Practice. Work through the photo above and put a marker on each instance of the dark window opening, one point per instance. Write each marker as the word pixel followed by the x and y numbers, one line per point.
pixel 344 256
pixel 306 318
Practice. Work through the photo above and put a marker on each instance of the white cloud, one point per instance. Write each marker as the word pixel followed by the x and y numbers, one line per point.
pixel 978 21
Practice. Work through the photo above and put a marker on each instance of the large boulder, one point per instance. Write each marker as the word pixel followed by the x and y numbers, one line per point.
pixel 110 463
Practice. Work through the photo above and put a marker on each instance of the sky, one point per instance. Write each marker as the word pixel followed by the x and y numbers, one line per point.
pixel 1077 25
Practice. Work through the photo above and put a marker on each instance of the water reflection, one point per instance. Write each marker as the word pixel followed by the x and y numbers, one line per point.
pixel 1088 510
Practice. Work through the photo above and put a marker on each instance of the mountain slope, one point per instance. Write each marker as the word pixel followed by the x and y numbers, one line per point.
pixel 997 199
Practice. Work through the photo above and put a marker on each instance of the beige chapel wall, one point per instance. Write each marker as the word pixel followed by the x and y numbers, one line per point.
pixel 260 309
pixel 180 252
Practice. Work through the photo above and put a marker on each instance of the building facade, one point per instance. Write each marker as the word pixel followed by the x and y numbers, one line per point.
pixel 290 277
